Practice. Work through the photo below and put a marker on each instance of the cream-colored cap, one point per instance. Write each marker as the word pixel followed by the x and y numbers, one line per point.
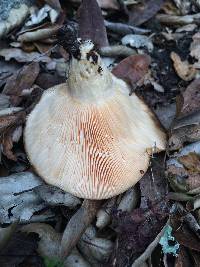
pixel 92 147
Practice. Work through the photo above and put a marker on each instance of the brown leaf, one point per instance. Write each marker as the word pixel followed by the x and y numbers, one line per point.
pixel 7 145
pixel 183 259
pixel 136 230
pixel 133 68
pixel 91 23
pixel 184 70
pixel 22 79
pixel 9 121
pixel 191 98
pixel 153 185
pixel 187 238
pixel 191 162
pixel 143 11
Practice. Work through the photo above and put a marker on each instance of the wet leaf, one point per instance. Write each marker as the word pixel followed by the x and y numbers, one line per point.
pixel 143 11
pixel 91 23
pixel 133 68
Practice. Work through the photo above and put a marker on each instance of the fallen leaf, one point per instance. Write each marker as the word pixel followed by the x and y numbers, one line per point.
pixel 137 41
pixel 7 145
pixel 191 162
pixel 20 247
pixel 136 230
pixel 21 56
pixel 54 4
pixel 8 121
pixel 91 23
pixel 49 239
pixel 22 79
pixel 195 46
pixel 183 259
pixel 143 11
pixel 184 70
pixel 191 98
pixel 133 68
pixel 18 13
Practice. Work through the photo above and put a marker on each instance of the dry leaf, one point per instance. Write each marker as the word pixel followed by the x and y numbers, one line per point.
pixel 195 47
pixel 191 162
pixel 21 56
pixel 91 23
pixel 143 11
pixel 133 68
pixel 15 18
pixel 184 70
pixel 191 98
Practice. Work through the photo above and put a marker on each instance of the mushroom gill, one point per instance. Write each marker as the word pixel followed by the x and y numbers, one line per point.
pixel 88 136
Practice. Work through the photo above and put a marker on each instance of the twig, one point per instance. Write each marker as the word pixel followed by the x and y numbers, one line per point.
pixel 178 20
pixel 140 260
pixel 124 29
pixel 116 51
pixel 77 225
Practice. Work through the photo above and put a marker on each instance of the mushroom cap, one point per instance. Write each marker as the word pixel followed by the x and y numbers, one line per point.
pixel 88 136
pixel 91 150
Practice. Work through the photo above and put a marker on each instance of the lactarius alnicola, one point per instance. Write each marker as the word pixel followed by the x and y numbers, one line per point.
pixel 88 136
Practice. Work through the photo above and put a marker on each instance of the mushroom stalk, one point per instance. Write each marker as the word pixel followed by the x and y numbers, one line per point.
pixel 78 224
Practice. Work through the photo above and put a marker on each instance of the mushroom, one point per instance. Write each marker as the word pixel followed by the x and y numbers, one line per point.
pixel 88 136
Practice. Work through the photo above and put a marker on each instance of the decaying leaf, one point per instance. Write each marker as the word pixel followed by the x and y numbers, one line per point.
pixel 22 79
pixel 184 70
pixel 191 98
pixel 18 200
pixel 183 259
pixel 195 48
pixel 15 17
pixel 138 41
pixel 55 196
pixel 21 56
pixel 91 23
pixel 132 69
pixel 143 11
pixel 136 230
pixel 191 162
pixel 49 239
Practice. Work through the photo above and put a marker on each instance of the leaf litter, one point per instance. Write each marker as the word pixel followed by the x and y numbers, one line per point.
pixel 152 45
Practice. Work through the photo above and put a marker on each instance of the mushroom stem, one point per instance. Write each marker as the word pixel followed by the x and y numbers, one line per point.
pixel 78 224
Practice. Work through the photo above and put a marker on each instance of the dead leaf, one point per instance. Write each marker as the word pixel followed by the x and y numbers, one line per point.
pixel 15 17
pixel 7 145
pixel 133 68
pixel 187 238
pixel 49 243
pixel 191 162
pixel 54 4
pixel 184 70
pixel 136 230
pixel 11 120
pixel 195 47
pixel 39 34
pixel 191 98
pixel 21 56
pixel 183 259
pixel 153 185
pixel 143 11
pixel 20 247
pixel 22 79
pixel 91 23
